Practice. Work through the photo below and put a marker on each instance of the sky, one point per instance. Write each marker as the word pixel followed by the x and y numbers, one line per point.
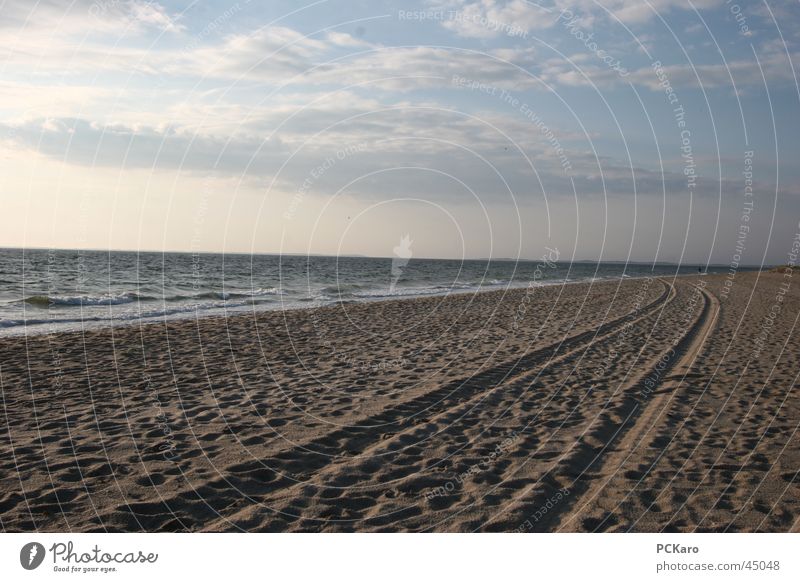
pixel 647 130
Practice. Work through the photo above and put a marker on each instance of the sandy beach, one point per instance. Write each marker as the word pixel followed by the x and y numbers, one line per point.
pixel 637 405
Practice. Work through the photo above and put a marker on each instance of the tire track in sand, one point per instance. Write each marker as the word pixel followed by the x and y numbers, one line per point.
pixel 571 518
pixel 484 386
pixel 298 465
pixel 594 461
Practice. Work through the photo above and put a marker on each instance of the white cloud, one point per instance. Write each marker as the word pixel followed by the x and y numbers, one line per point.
pixel 494 18
pixel 147 14
pixel 639 11
pixel 60 38
pixel 422 136
pixel 745 73
pixel 346 40
pixel 82 18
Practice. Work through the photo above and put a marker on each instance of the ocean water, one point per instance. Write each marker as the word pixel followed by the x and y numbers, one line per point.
pixel 56 290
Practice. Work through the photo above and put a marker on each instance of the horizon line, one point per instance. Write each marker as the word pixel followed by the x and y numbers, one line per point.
pixel 360 256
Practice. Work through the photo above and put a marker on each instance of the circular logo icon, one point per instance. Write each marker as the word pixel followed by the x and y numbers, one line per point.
pixel 31 555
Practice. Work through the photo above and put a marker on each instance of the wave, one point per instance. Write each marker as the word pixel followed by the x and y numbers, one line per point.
pixel 408 292
pixel 131 297
pixel 442 289
pixel 130 316
pixel 77 300
pixel 225 295
pixel 341 289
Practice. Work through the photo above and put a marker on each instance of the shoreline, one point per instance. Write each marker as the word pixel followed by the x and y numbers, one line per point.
pixel 240 311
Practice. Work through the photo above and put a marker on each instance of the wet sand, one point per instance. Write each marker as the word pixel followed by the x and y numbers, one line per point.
pixel 637 405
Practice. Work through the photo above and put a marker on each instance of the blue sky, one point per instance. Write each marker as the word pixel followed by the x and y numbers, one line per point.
pixel 609 129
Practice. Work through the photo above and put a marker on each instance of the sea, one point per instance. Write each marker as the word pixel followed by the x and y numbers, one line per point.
pixel 44 291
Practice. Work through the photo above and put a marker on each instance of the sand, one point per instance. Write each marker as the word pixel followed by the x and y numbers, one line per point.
pixel 638 405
